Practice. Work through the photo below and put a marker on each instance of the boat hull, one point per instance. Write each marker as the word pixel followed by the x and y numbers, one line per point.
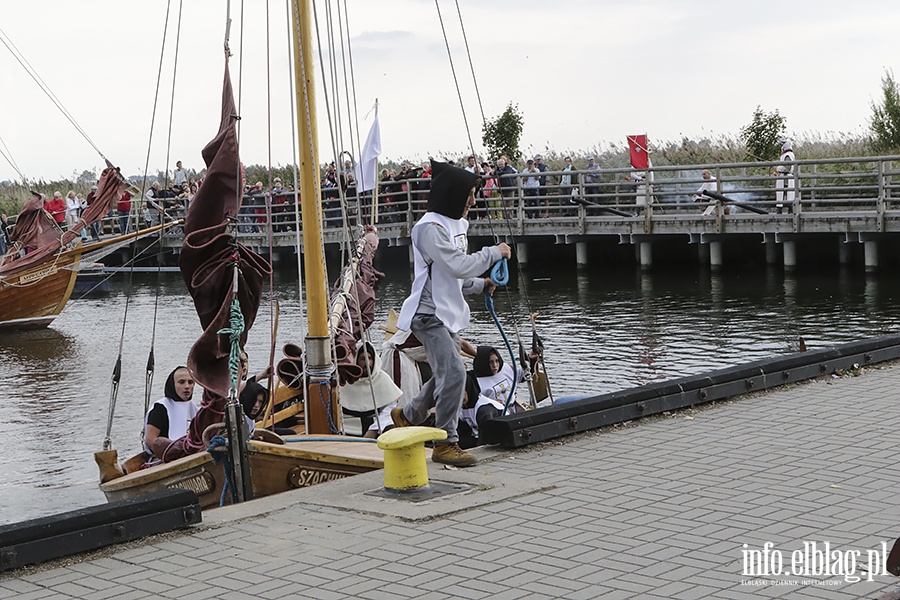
pixel 274 468
pixel 34 297
pixel 198 473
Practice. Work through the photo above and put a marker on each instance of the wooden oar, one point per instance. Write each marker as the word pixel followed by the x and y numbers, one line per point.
pixel 725 199
pixel 608 209
pixel 540 382
pixel 270 405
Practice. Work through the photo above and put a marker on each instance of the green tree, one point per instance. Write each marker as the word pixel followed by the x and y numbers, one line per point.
pixel 501 135
pixel 885 122
pixel 762 138
pixel 87 178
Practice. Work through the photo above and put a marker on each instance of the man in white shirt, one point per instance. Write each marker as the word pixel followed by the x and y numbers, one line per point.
pixel 708 185
pixel 179 176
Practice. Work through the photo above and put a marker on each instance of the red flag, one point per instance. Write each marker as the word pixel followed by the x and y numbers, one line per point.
pixel 637 144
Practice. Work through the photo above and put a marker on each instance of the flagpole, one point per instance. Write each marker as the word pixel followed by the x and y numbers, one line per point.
pixel 375 196
pixel 375 189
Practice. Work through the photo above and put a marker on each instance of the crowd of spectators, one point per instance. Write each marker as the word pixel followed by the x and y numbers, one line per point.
pixel 396 189
pixel 500 180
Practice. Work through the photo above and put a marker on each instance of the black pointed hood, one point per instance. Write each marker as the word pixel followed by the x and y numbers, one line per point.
pixel 249 395
pixel 170 390
pixel 481 364
pixel 450 188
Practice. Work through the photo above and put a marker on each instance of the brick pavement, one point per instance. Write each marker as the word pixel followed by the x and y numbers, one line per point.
pixel 655 509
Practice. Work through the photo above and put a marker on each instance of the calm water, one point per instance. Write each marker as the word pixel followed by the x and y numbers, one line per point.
pixel 603 332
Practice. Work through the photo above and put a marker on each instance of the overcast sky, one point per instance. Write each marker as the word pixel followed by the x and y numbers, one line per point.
pixel 583 73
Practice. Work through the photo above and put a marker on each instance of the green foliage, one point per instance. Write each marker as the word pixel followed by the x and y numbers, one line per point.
pixel 87 178
pixel 885 122
pixel 501 135
pixel 697 152
pixel 9 206
pixel 762 137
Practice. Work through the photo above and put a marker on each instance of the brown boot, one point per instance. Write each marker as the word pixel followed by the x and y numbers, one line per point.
pixel 452 454
pixel 399 418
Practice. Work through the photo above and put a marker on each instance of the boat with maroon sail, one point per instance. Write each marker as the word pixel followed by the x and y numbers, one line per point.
pixel 38 271
pixel 225 280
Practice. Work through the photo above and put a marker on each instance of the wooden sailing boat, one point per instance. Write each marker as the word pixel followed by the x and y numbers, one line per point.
pixel 269 468
pixel 38 272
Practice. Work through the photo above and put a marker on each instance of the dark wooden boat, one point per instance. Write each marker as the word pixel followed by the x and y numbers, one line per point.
pixel 32 297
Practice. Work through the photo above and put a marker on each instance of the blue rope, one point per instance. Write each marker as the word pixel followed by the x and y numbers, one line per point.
pixel 500 276
pixel 500 272
pixel 218 441
pixel 325 399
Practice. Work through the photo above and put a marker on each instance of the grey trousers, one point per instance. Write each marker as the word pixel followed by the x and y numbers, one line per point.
pixel 444 391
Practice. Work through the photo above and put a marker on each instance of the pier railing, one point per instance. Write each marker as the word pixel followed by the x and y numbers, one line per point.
pixel 841 195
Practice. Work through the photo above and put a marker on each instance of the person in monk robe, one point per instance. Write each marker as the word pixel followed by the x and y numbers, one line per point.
pixel 169 417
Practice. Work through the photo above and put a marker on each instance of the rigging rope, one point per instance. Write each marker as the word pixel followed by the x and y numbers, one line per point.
pixel 462 107
pixel 353 87
pixel 510 235
pixel 272 301
pixel 46 89
pixel 6 154
pixel 349 254
pixel 233 331
pixel 107 442
pixel 295 172
pixel 471 64
pixel 150 368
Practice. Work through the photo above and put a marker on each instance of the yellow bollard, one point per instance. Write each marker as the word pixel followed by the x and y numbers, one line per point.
pixel 404 456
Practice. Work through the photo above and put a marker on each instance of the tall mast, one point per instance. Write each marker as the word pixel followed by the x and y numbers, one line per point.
pixel 322 412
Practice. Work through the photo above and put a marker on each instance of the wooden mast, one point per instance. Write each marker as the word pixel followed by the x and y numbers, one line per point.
pixel 322 410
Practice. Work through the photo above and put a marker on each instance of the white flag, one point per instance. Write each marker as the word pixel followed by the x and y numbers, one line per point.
pixel 368 162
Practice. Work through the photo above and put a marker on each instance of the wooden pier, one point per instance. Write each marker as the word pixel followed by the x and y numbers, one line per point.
pixel 849 203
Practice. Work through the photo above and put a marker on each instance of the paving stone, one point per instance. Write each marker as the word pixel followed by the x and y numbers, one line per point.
pixel 659 508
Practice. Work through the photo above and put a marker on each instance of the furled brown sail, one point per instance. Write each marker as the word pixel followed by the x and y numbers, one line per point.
pixel 348 333
pixel 208 256
pixel 346 326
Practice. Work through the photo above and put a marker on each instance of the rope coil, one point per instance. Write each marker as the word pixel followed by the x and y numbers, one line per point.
pixel 218 442
pixel 500 277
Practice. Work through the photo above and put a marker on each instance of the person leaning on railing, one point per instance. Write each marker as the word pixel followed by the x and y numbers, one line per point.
pixel 505 174
pixel 565 186
pixel 589 178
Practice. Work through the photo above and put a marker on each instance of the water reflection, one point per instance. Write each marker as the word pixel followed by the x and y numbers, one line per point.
pixel 870 293
pixel 28 347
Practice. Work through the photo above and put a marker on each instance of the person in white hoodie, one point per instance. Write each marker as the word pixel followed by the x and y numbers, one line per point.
pixel 435 311
pixel 784 184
